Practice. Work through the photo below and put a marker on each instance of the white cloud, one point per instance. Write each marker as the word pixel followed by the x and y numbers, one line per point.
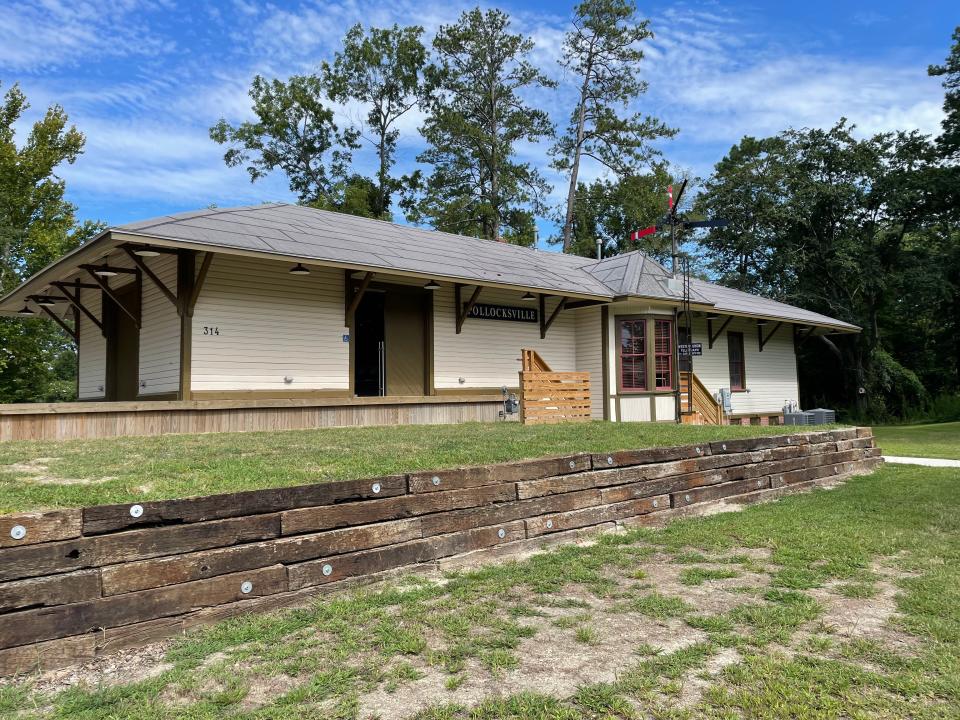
pixel 146 112
pixel 54 33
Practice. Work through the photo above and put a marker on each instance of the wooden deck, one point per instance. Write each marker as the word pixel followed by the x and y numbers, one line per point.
pixel 86 420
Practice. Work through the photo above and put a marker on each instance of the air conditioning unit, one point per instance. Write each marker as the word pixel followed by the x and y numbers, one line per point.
pixel 822 416
pixel 799 418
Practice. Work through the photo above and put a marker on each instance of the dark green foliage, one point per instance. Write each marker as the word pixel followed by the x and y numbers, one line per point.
pixel 609 210
pixel 840 225
pixel 476 116
pixel 294 132
pixel 602 53
pixel 382 70
pixel 37 360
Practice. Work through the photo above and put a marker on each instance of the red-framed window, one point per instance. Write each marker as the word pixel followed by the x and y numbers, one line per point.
pixel 738 368
pixel 633 355
pixel 663 354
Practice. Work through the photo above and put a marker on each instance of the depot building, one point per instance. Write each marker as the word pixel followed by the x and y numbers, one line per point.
pixel 289 308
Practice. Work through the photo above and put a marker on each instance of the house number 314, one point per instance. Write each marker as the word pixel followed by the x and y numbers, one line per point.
pixel 208 330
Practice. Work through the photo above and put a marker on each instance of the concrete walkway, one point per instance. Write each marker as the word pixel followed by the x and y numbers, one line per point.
pixel 929 462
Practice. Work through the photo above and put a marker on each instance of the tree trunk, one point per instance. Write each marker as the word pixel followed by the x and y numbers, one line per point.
pixel 382 199
pixel 575 168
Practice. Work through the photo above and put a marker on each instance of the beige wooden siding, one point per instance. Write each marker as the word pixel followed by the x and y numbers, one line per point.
pixel 589 354
pixel 486 354
pixel 771 374
pixel 666 408
pixel 91 351
pixel 159 331
pixel 635 409
pixel 271 325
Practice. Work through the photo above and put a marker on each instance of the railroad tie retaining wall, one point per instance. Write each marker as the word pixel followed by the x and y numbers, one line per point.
pixel 77 584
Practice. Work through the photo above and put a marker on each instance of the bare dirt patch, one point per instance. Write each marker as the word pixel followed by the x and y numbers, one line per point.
pixel 128 666
pixel 37 472
pixel 552 662
pixel 265 689
pixel 869 618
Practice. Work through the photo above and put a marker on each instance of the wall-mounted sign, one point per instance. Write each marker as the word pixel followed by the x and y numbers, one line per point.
pixel 504 312
pixel 690 349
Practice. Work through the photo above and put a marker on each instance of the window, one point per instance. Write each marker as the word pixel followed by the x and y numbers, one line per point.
pixel 738 371
pixel 633 355
pixel 663 354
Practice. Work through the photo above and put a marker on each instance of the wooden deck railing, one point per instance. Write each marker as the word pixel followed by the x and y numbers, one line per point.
pixel 705 410
pixel 551 397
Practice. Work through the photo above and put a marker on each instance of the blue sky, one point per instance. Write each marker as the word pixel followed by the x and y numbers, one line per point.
pixel 145 79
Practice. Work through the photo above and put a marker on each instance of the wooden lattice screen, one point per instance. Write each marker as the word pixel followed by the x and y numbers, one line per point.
pixel 551 397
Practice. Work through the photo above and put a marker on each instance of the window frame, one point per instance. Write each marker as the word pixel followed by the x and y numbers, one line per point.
pixel 742 362
pixel 620 321
pixel 650 378
pixel 668 355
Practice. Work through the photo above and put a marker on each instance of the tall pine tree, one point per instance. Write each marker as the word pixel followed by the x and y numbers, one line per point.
pixel 476 116
pixel 603 52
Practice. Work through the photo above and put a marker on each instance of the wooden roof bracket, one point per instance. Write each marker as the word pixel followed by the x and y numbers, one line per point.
pixel 198 283
pixel 713 337
pixel 354 303
pixel 75 300
pixel 463 310
pixel 105 287
pixel 139 262
pixel 546 323
pixel 72 332
pixel 763 341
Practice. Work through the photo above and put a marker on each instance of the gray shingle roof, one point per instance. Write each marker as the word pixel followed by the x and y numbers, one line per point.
pixel 293 231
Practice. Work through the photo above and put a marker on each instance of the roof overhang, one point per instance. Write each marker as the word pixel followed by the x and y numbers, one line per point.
pixel 108 240
pixel 708 307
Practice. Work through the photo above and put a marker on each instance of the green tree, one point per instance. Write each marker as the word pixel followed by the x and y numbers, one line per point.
pixel 823 220
pixel 476 116
pixel 609 210
pixel 949 140
pixel 603 52
pixel 294 132
pixel 381 69
pixel 37 225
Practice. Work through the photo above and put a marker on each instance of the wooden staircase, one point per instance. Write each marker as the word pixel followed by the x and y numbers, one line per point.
pixel 704 409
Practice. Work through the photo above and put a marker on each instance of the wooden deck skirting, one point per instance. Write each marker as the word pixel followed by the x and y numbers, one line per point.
pixel 77 584
pixel 548 397
pixel 86 420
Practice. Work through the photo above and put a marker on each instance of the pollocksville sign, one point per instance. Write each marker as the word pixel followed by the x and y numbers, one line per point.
pixel 481 311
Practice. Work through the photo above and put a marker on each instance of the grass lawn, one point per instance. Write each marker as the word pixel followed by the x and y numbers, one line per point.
pixel 941 440
pixel 36 475
pixel 832 604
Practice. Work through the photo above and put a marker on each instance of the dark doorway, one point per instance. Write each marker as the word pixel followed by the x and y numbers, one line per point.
pixel 369 345
pixel 123 344
pixel 390 332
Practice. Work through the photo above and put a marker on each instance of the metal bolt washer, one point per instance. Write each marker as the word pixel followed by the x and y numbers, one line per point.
pixel 18 532
pixel 375 488
pixel 327 569
pixel 136 511
pixel 246 587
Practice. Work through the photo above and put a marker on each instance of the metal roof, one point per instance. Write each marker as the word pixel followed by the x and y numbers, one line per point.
pixel 308 234
pixel 294 230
